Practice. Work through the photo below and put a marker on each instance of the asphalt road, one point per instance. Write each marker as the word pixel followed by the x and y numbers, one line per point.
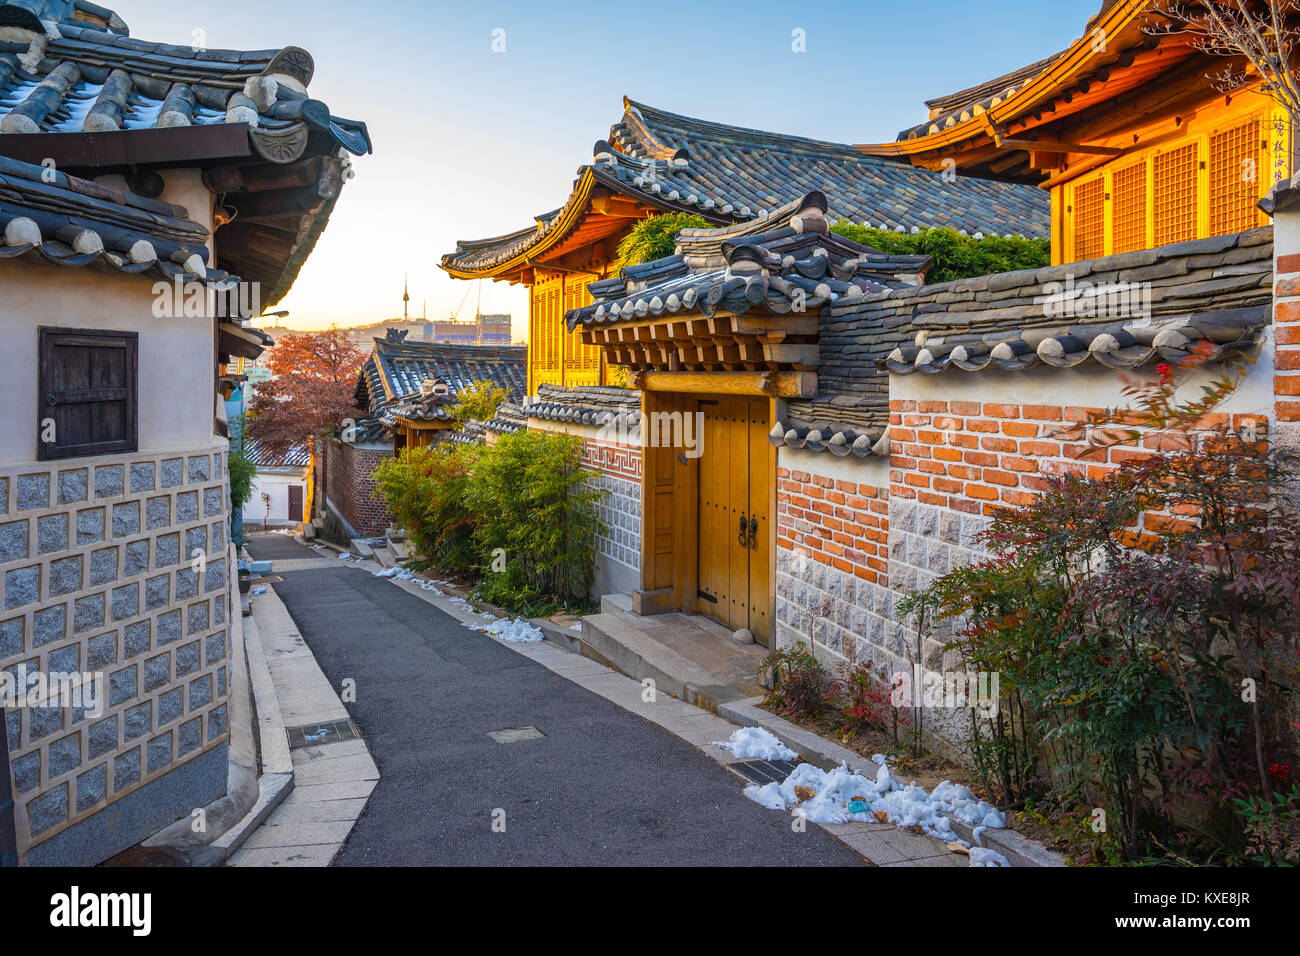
pixel 603 787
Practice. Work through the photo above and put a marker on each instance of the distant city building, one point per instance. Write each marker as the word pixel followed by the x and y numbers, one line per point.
pixel 485 330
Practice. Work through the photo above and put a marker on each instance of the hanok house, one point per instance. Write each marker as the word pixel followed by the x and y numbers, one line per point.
pixel 405 395
pixel 655 162
pixel 145 190
pixel 279 488
pixel 853 452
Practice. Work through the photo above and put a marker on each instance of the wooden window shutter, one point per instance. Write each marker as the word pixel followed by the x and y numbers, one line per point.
pixel 1175 206
pixel 88 387
pixel 1129 208
pixel 1234 179
pixel 1089 221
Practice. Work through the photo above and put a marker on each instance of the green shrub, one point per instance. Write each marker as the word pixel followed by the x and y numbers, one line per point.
pixel 479 401
pixel 955 256
pixel 427 490
pixel 1125 614
pixel 656 237
pixel 801 688
pixel 520 513
pixel 535 509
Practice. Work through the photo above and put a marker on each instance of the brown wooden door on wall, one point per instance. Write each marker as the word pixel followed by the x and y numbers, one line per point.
pixel 734 521
pixel 295 502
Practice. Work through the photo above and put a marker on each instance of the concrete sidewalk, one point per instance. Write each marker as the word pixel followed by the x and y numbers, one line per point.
pixel 332 781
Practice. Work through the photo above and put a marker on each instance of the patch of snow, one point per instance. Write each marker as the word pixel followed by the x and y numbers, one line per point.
pixel 516 631
pixel 980 856
pixel 904 806
pixel 755 743
pixel 256 591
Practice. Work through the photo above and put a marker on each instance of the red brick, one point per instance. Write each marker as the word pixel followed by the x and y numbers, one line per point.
pixel 1016 463
pixel 1287 359
pixel 1039 448
pixel 980 458
pixel 1020 429
pixel 901 405
pixel 1285 288
pixel 965 408
pixel 981 425
pixel 997 477
pixel 1002 411
pixel 982 492
pixel 932 406
pixel 991 443
pixel 929 498
pixel 1288 334
pixel 1287 411
pixel 1286 385
pixel 1287 264
pixel 947 454
pixel 916 480
pixel 1042 413
pixel 949 486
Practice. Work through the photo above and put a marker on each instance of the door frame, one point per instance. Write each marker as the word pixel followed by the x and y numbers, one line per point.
pixel 670 511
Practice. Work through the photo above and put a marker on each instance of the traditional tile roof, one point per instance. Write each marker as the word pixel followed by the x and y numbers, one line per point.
pixel 399 377
pixel 47 215
pixel 586 405
pixel 795 263
pixel 118 105
pixel 731 174
pixel 1121 311
pixel 296 456
pixel 510 418
pixel 79 70
pixel 948 111
pixel 396 369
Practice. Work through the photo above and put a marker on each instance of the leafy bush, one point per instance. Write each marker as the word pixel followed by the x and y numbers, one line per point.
pixel 656 237
pixel 479 401
pixel 520 513
pixel 531 499
pixel 1140 624
pixel 801 689
pixel 862 702
pixel 955 256
pixel 427 490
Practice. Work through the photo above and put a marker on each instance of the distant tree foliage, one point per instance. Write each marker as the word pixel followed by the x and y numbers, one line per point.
pixel 312 389
pixel 656 237
pixel 955 256
pixel 479 401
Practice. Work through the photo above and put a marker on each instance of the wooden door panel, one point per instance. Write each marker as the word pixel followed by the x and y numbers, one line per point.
pixel 714 597
pixel 760 505
pixel 738 497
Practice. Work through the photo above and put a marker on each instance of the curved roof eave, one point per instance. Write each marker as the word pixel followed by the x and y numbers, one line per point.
pixel 1079 56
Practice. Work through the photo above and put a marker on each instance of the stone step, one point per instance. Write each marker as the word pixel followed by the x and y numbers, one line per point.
pixel 383 556
pixel 638 655
pixel 359 546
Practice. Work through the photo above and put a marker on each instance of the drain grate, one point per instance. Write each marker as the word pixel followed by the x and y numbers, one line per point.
pixel 329 732
pixel 763 771
pixel 514 735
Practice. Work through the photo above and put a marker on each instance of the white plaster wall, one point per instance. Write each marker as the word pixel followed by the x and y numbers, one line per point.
pixel 277 486
pixel 176 355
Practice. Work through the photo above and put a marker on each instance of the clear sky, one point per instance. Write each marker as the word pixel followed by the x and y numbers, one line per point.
pixel 472 143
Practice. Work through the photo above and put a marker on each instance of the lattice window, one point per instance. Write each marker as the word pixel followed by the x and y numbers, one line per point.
pixel 1234 179
pixel 1129 209
pixel 1174 185
pixel 1089 221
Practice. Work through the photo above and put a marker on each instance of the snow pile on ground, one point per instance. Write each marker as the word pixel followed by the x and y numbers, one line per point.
pixel 516 631
pixel 345 556
pixel 403 574
pixel 750 743
pixel 982 856
pixel 843 795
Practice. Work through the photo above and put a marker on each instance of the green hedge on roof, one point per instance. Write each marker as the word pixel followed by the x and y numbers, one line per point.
pixel 955 256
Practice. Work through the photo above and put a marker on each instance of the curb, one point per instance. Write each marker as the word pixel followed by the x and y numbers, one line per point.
pixel 276 780
pixel 1019 849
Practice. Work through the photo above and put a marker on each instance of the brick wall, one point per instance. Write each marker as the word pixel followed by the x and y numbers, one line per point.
pixel 844 524
pixel 349 485
pixel 1286 333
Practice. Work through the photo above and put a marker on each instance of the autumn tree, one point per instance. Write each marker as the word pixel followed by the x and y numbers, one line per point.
pixel 311 391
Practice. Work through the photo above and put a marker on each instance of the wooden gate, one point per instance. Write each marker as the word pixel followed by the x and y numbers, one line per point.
pixel 295 502
pixel 734 520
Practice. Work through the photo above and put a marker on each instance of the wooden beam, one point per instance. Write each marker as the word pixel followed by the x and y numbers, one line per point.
pixel 1056 146
pixel 779 384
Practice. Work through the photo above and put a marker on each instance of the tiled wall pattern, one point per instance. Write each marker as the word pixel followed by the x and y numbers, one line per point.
pixel 99 574
pixel 620 511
